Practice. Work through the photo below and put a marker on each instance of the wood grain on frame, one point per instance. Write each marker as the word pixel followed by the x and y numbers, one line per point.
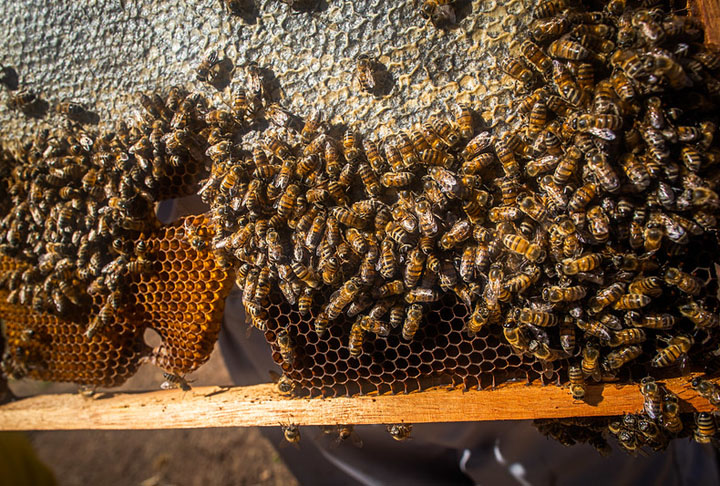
pixel 262 405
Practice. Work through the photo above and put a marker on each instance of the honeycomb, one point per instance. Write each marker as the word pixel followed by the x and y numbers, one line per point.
pixel 580 203
pixel 102 53
pixel 46 347
pixel 441 353
pixel 182 299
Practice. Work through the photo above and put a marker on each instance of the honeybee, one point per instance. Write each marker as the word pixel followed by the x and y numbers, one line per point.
pixel 567 49
pixel 291 433
pixel 504 213
pixel 631 301
pixel 684 281
pixel 366 72
pixel 577 382
pixel 422 295
pixel 355 341
pixel 595 328
pixel 590 363
pixel 651 286
pixel 412 321
pixel 370 324
pixel 521 246
pixel 527 315
pixel 548 8
pixel 464 120
pixel 388 289
pixel 24 100
pixel 537 58
pixel 414 267
pixel 516 67
pixel 556 294
pixel 541 165
pixel 284 384
pixel 546 29
pixel 373 155
pixel 533 207
pixel 477 145
pixel 706 429
pixel 616 359
pixel 397 314
pixel 701 317
pixel 624 337
pixel 397 179
pixel 174 381
pixel 440 12
pixel 678 346
pixel 585 263
pixel 458 233
pixel 598 224
pixel 582 197
pixel 606 296
pixel 510 166
pixel 285 346
pixel 567 335
pixel 400 432
pixel 202 72
pixel 103 319
pixel 709 390
pixel 478 319
pixel 671 414
pixel 537 120
pixel 70 109
pixel 520 283
pixel 544 353
pixel 304 301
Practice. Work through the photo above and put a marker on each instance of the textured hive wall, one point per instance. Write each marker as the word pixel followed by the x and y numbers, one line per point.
pixel 101 53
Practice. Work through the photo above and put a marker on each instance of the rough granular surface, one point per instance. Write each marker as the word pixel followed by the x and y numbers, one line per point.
pixel 102 53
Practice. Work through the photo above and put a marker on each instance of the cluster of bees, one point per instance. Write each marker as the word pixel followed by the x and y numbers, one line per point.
pixel 572 221
pixel 78 202
pixel 652 428
pixel 578 229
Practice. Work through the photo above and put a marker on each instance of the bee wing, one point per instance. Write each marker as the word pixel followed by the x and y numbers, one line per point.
pixel 604 133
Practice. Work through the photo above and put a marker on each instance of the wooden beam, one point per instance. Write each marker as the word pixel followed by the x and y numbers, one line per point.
pixel 708 11
pixel 262 405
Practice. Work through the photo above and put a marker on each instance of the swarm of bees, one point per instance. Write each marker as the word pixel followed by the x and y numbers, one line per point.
pixel 576 234
pixel 78 212
pixel 562 227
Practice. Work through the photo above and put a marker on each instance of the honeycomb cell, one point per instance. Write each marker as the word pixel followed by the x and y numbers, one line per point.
pixel 452 351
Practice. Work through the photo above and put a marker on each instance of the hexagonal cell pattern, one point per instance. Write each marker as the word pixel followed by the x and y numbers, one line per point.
pixel 441 352
pixel 45 347
pixel 182 298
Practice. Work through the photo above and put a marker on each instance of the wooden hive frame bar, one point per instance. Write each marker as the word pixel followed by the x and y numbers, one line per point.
pixel 263 405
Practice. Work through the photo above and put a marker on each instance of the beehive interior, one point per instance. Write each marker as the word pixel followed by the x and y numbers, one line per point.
pixel 502 247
